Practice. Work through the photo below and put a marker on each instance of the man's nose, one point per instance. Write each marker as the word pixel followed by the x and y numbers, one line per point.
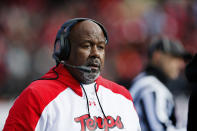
pixel 94 51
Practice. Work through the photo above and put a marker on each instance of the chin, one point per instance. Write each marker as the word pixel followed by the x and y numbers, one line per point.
pixel 174 77
pixel 90 77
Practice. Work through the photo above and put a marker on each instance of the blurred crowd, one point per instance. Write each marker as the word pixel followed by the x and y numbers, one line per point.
pixel 28 30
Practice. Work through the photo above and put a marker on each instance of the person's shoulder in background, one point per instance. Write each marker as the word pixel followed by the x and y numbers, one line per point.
pixel 191 75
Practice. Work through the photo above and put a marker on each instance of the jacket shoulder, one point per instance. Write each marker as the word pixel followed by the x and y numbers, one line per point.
pixel 30 104
pixel 116 88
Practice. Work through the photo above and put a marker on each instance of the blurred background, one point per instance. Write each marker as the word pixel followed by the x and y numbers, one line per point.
pixel 28 29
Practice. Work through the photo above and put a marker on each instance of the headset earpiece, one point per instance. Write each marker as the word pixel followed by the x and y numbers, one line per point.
pixel 61 47
pixel 64 47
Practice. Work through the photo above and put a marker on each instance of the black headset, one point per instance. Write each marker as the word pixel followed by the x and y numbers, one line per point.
pixel 62 45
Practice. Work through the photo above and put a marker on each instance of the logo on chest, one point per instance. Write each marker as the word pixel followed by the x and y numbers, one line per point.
pixel 98 122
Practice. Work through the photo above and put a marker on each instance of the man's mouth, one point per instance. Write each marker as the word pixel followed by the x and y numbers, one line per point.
pixel 94 67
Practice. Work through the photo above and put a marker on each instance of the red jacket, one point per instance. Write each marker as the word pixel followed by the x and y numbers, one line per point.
pixel 56 105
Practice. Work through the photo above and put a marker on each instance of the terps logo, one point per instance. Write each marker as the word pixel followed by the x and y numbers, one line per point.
pixel 98 122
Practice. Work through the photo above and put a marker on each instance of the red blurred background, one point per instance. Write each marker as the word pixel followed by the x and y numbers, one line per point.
pixel 28 29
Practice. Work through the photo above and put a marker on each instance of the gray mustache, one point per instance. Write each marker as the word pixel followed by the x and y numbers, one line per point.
pixel 93 62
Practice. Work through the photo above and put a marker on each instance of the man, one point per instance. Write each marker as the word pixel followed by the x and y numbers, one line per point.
pixel 73 96
pixel 191 75
pixel 152 99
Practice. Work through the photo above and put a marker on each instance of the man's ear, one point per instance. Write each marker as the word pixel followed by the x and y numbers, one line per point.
pixel 156 56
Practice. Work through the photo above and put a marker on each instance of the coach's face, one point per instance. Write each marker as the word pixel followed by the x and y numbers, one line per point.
pixel 87 48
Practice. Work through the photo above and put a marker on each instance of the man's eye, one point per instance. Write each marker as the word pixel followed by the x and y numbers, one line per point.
pixel 85 45
pixel 101 47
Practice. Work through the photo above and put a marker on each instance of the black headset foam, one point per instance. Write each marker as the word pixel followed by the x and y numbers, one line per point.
pixel 62 45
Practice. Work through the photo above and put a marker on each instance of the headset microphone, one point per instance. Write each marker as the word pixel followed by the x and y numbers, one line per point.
pixel 82 68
